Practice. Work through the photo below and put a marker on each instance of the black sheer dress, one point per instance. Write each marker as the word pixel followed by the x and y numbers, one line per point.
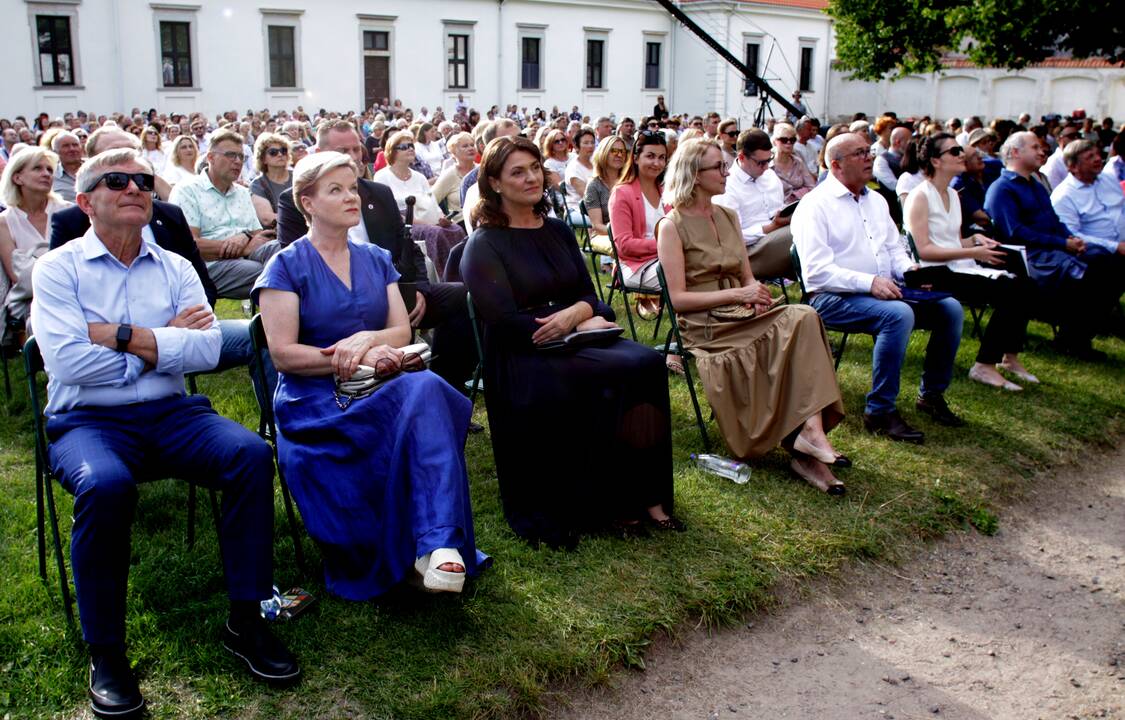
pixel 580 438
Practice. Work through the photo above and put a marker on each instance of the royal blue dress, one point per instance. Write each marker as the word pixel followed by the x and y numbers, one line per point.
pixel 384 481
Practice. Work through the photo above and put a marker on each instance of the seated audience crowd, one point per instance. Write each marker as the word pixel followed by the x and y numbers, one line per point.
pixel 358 234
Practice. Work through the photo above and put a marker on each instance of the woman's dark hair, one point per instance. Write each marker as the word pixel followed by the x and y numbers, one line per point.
pixel 420 135
pixel 910 163
pixel 489 212
pixel 643 140
pixel 929 149
pixel 753 140
pixel 582 132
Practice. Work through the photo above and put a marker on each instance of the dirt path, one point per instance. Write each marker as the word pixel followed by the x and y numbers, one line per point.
pixel 1029 623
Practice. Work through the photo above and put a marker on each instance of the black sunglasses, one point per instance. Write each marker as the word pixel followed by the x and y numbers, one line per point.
pixel 404 147
pixel 655 137
pixel 275 151
pixel 955 151
pixel 118 181
pixel 731 133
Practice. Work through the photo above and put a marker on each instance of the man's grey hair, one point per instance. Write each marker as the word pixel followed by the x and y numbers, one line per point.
pixel 804 122
pixel 1014 144
pixel 101 163
pixel 1075 148
pixel 62 136
pixel 104 131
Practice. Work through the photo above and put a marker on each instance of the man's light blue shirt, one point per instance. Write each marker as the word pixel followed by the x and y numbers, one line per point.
pixel 1094 212
pixel 217 215
pixel 81 283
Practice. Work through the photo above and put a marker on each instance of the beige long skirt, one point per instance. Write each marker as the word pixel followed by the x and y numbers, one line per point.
pixel 764 376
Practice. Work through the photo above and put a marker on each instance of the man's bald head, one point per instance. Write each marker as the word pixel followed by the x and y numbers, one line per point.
pixel 900 136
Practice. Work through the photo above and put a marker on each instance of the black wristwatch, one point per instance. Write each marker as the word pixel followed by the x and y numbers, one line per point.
pixel 124 335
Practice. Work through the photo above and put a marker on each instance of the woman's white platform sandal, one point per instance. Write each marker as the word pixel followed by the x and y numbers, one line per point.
pixel 435 580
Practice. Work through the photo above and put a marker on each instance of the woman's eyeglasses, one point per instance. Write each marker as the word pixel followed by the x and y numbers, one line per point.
pixel 786 140
pixel 275 151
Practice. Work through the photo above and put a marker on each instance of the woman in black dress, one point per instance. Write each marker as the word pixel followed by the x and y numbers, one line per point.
pixel 582 437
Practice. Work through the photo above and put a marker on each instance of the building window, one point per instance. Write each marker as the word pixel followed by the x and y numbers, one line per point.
pixel 175 54
pixel 652 65
pixel 457 52
pixel 56 57
pixel 595 64
pixel 283 56
pixel 752 52
pixel 376 40
pixel 805 84
pixel 530 48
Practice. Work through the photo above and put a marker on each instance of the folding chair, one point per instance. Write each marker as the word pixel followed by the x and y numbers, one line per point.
pixel 673 343
pixel 838 351
pixel 618 282
pixel 477 383
pixel 594 253
pixel 44 483
pixel 976 311
pixel 267 430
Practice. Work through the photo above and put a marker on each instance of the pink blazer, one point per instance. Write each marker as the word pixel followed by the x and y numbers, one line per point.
pixel 627 219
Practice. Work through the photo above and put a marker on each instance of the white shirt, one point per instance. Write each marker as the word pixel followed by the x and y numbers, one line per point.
pixel 808 155
pixel 882 171
pixel 652 216
pixel 575 169
pixel 1055 168
pixel 907 182
pixel 944 226
pixel 844 241
pixel 755 200
pixel 430 154
pixel 1093 212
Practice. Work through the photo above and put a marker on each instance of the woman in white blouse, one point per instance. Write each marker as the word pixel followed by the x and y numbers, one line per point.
pixel 153 145
pixel 182 160
pixel 933 218
pixel 427 147
pixel 578 172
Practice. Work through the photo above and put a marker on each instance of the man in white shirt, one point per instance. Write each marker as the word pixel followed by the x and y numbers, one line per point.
pixel 888 165
pixel 806 131
pixel 1055 167
pixel 851 255
pixel 755 192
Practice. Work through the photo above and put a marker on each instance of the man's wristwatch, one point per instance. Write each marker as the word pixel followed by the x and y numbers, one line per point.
pixel 124 335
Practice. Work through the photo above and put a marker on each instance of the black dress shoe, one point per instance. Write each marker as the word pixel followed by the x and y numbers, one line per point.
pixel 935 406
pixel 264 654
pixel 893 426
pixel 113 687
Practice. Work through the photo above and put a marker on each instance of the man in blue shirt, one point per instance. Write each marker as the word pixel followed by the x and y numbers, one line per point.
pixel 1089 202
pixel 119 321
pixel 1057 260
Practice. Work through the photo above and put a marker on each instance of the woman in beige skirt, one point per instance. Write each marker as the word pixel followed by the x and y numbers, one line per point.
pixel 767 370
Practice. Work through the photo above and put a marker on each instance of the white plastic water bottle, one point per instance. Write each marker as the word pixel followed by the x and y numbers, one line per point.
pixel 734 470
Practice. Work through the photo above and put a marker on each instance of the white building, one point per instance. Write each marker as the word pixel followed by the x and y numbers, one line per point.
pixel 602 55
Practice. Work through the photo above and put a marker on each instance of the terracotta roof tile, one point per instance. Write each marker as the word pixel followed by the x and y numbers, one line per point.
pixel 1054 62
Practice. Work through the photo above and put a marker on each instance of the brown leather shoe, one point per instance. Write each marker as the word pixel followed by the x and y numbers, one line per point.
pixel 893 426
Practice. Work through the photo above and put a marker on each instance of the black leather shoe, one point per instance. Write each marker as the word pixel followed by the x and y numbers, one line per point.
pixel 264 654
pixel 935 406
pixel 113 687
pixel 893 426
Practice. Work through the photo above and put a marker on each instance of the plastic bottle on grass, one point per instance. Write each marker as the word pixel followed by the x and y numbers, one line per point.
pixel 734 470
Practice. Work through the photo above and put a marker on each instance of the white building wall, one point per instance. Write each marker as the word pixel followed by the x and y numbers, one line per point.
pixel 118 53
pixel 986 92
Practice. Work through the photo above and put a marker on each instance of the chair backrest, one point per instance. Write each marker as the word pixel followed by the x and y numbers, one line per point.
pixel 674 331
pixel 476 327
pixel 260 345
pixel 612 244
pixel 912 247
pixel 795 259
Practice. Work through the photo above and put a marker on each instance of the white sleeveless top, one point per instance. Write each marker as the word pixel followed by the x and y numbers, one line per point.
pixel 944 225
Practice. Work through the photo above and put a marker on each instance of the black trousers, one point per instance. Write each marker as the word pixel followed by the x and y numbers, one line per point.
pixel 455 352
pixel 1086 304
pixel 1012 300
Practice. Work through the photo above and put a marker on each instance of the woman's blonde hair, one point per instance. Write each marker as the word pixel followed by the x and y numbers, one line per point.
pixel 690 134
pixel 547 144
pixel 683 170
pixel 402 137
pixel 159 137
pixel 10 193
pixel 601 156
pixel 460 137
pixel 174 157
pixel 311 169
pixel 264 142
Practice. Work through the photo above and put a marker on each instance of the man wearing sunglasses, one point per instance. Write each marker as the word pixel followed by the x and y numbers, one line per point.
pixel 755 192
pixel 1055 167
pixel 119 321
pixel 223 220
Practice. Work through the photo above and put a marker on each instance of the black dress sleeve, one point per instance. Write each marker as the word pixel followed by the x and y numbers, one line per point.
pixel 584 290
pixel 486 277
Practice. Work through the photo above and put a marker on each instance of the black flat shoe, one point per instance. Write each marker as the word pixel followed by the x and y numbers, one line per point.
pixel 626 530
pixel 264 654
pixel 841 461
pixel 935 406
pixel 893 426
pixel 475 427
pixel 837 489
pixel 668 523
pixel 113 688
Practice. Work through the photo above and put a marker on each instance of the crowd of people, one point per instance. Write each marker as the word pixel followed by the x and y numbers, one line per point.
pixel 353 232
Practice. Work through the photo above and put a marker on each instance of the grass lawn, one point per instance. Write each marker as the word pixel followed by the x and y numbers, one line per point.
pixel 539 619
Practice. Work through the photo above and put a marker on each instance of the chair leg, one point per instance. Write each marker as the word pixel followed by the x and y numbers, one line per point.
pixel 840 353
pixel 191 515
pixel 64 581
pixel 291 516
pixel 659 317
pixel 216 514
pixel 597 276
pixel 40 527
pixel 628 314
pixel 695 404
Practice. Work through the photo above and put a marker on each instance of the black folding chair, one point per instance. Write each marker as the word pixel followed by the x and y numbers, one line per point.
pixel 477 383
pixel 267 430
pixel 618 283
pixel 674 344
pixel 594 253
pixel 44 483
pixel 838 351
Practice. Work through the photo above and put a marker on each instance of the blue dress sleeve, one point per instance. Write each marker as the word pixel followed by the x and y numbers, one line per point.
pixel 276 275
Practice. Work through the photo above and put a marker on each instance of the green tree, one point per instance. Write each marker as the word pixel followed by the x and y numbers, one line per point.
pixel 876 38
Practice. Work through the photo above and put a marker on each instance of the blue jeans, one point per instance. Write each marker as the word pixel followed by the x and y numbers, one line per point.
pixel 891 322
pixel 238 351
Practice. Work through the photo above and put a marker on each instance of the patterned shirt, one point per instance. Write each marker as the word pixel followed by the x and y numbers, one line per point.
pixel 217 215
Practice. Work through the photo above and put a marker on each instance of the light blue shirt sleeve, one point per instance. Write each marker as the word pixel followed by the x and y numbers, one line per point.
pixel 63 332
pixel 180 350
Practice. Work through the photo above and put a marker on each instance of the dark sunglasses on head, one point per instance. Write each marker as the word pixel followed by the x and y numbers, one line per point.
pixel 275 151
pixel 955 151
pixel 654 136
pixel 118 181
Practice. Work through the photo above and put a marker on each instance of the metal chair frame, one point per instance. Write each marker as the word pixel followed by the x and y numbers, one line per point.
pixel 674 344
